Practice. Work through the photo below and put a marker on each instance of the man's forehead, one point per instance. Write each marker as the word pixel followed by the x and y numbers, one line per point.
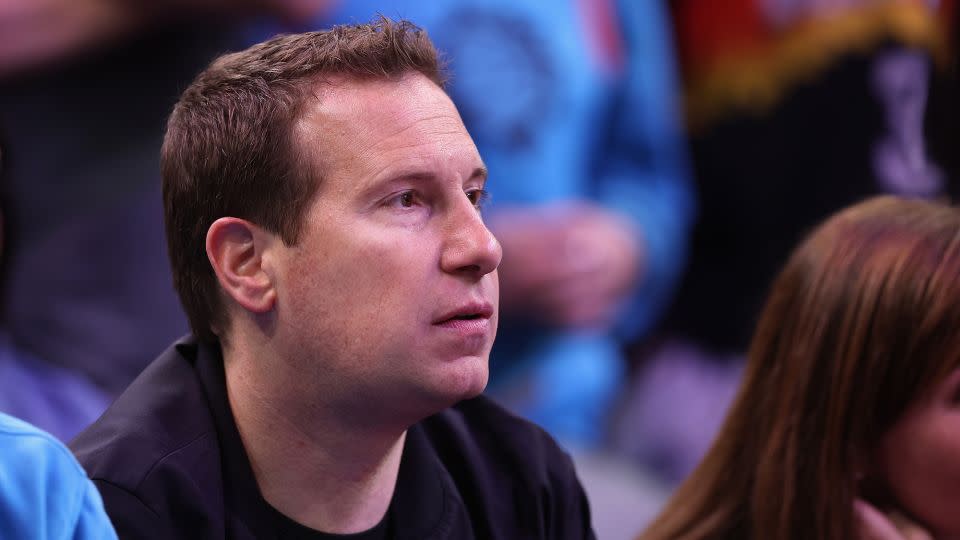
pixel 348 118
pixel 361 127
pixel 345 98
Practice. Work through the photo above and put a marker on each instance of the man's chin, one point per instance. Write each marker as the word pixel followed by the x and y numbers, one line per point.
pixel 464 390
pixel 454 389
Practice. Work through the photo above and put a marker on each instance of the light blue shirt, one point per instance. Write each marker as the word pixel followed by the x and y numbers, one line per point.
pixel 44 493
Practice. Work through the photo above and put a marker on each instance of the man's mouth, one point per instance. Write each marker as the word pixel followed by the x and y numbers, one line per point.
pixel 474 311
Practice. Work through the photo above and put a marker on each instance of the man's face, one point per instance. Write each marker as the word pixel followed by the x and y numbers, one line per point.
pixel 389 300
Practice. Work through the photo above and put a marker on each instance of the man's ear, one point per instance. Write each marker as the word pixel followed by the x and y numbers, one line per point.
pixel 235 248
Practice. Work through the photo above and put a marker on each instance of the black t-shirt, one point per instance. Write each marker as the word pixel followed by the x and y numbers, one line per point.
pixel 288 529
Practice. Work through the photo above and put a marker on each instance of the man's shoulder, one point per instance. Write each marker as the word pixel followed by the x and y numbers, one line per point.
pixel 161 419
pixel 155 455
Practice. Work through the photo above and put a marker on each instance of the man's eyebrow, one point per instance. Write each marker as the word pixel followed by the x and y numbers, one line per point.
pixel 480 173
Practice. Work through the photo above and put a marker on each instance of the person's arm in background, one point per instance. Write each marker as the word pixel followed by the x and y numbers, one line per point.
pixel 611 258
pixel 644 173
pixel 39 32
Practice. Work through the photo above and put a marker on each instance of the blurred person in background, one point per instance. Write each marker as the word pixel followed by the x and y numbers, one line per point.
pixel 795 109
pixel 846 423
pixel 85 86
pixel 44 493
pixel 573 106
pixel 59 399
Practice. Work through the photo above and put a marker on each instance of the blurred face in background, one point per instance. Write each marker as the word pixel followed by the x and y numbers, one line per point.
pixel 919 459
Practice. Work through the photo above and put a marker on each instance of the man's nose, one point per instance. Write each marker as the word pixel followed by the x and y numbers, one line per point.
pixel 469 246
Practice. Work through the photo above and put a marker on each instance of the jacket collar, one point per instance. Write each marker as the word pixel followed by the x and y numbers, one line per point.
pixel 426 503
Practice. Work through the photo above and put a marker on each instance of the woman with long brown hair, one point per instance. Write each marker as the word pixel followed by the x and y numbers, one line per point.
pixel 847 423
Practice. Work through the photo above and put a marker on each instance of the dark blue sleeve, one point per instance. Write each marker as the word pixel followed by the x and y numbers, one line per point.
pixel 130 516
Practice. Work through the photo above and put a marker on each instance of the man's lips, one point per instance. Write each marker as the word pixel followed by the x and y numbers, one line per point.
pixel 469 325
pixel 474 311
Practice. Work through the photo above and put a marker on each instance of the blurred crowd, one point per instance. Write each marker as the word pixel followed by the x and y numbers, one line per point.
pixel 651 165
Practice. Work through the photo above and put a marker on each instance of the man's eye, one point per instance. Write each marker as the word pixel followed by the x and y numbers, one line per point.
pixel 478 197
pixel 404 199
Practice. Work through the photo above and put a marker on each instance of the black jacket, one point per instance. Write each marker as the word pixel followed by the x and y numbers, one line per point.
pixel 170 464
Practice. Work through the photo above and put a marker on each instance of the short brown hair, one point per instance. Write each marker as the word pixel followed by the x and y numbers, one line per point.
pixel 859 323
pixel 229 148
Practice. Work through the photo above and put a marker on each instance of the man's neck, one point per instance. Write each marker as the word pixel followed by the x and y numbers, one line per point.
pixel 309 464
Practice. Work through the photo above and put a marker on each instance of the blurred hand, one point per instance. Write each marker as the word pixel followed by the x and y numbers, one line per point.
pixel 37 32
pixel 567 265
pixel 298 12
pixel 876 525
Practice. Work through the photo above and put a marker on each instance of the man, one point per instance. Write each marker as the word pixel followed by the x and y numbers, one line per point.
pixel 322 205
